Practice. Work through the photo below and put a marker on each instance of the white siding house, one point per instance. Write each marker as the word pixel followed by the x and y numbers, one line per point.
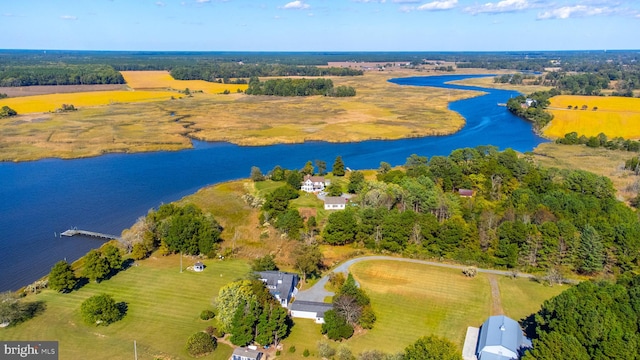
pixel 312 184
pixel 335 203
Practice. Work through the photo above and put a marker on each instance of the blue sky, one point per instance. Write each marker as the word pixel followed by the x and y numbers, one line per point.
pixel 320 25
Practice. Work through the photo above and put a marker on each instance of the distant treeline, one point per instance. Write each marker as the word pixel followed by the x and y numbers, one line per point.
pixel 298 87
pixel 59 74
pixel 601 140
pixel 226 71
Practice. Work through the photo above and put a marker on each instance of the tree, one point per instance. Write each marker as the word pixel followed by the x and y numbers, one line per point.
pixel 277 174
pixel 591 253
pixel 336 326
pixel 200 344
pixel 113 257
pixel 139 251
pixel 62 278
pixel 101 310
pixel 290 223
pixel 96 267
pixel 307 169
pixel 6 111
pixel 338 167
pixel 356 182
pixel 230 298
pixel 256 174
pixel 322 167
pixel 265 263
pixel 308 260
pixel 432 348
pixel 334 189
pixel 341 228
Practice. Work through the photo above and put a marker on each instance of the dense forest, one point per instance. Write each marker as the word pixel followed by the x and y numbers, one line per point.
pixel 298 87
pixel 521 216
pixel 59 74
pixel 226 71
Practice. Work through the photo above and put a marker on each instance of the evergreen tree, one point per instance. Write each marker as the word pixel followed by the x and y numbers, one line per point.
pixel 96 267
pixel 591 253
pixel 113 257
pixel 308 168
pixel 338 167
pixel 62 277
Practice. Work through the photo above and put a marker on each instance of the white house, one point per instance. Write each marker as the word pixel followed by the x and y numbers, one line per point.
pixel 243 353
pixel 499 338
pixel 312 184
pixel 281 285
pixel 310 310
pixel 335 203
pixel 199 266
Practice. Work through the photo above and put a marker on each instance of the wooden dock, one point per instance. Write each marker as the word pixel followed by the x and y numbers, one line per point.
pixel 73 232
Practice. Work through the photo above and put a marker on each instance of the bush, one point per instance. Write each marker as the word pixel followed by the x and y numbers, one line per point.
pixel 292 349
pixel 207 315
pixel 101 310
pixel 306 353
pixel 325 350
pixel 200 344
pixel 470 271
pixel 138 252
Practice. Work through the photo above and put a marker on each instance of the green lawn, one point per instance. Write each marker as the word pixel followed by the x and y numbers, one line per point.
pixel 163 311
pixel 521 297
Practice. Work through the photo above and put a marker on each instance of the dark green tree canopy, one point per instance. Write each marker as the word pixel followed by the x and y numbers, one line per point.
pixel 101 310
pixel 62 277
pixel 432 348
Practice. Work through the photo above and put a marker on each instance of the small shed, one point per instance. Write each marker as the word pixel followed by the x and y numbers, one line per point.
pixel 243 353
pixel 310 310
pixel 198 267
pixel 465 192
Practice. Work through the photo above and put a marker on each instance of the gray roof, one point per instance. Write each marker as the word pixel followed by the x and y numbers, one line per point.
pixel 283 288
pixel 311 306
pixel 246 352
pixel 335 200
pixel 501 331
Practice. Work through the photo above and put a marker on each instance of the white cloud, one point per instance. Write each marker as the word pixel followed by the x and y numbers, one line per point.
pixel 160 4
pixel 566 12
pixel 500 7
pixel 438 5
pixel 68 17
pixel 296 5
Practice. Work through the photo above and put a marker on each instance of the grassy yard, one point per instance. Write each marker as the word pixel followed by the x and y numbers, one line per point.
pixel 163 311
pixel 412 300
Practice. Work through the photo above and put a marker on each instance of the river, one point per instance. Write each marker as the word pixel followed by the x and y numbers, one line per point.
pixel 40 199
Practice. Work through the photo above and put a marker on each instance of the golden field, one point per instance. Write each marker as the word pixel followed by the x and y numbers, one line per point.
pixel 380 110
pixel 615 116
pixel 51 102
pixel 163 80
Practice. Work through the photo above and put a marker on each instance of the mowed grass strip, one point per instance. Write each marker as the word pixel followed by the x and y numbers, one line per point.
pixel 163 311
pixel 51 102
pixel 164 80
pixel 615 116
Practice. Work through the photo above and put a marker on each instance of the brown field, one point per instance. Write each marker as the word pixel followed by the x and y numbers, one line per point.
pixel 615 116
pixel 381 110
pixel 163 80
pixel 609 163
pixel 57 89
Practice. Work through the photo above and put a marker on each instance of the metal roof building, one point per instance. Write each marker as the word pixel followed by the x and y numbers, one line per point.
pixel 501 338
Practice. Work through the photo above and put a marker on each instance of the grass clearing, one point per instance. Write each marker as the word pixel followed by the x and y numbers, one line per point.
pixel 521 297
pixel 163 311
pixel 381 110
pixel 615 116
pixel 164 80
pixel 601 161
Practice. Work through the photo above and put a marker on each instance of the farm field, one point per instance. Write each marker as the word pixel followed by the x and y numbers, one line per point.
pixel 164 80
pixel 380 110
pixel 615 116
pixel 57 89
pixel 51 102
pixel 163 311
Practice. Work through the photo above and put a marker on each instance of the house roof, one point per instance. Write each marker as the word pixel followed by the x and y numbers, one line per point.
pixel 465 192
pixel 246 352
pixel 314 179
pixel 199 263
pixel 334 200
pixel 285 286
pixel 500 338
pixel 311 306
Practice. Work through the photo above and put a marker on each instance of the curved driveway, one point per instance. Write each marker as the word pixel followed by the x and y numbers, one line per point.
pixel 318 292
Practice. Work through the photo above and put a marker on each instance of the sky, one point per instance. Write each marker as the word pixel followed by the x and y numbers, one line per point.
pixel 320 25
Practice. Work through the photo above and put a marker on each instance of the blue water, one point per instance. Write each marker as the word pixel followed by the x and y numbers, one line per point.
pixel 108 193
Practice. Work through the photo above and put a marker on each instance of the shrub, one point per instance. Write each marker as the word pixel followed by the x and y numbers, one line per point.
pixel 292 349
pixel 138 252
pixel 210 330
pixel 325 350
pixel 470 271
pixel 200 344
pixel 306 353
pixel 207 315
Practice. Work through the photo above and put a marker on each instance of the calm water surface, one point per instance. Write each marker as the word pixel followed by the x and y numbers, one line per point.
pixel 108 193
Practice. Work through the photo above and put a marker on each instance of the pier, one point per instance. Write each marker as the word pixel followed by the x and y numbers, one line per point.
pixel 73 232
